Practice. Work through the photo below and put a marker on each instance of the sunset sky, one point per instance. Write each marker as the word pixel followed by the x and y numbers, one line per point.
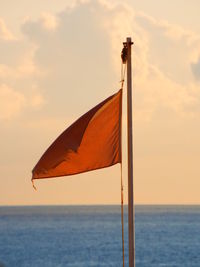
pixel 60 58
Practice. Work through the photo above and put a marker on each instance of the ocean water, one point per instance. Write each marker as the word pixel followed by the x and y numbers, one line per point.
pixel 83 236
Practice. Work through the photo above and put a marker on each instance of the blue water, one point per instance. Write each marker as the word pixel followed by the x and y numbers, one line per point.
pixel 83 236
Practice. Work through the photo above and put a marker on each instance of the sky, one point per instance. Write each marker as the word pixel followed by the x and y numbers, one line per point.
pixel 60 58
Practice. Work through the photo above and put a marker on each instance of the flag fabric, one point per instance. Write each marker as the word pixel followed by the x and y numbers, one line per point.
pixel 92 142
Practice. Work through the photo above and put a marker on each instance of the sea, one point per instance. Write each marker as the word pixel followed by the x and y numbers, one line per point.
pixel 84 236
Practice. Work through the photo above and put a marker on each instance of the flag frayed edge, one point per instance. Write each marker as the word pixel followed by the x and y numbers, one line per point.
pixel 32 181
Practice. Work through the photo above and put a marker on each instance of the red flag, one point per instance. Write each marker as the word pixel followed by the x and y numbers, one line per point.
pixel 92 142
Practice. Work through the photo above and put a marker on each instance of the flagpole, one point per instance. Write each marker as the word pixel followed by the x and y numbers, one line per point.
pixel 131 227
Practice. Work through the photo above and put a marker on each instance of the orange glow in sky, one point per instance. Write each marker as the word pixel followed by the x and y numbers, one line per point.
pixel 59 59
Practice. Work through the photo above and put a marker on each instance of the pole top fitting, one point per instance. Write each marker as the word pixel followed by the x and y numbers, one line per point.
pixel 128 41
pixel 124 52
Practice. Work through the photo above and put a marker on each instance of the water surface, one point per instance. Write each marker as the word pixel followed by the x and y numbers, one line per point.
pixel 83 236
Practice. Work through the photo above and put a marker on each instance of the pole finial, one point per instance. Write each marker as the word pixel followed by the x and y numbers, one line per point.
pixel 129 41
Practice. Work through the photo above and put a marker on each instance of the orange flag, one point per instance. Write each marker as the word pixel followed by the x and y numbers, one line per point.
pixel 92 142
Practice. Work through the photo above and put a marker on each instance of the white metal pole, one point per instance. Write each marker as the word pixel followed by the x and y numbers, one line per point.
pixel 131 228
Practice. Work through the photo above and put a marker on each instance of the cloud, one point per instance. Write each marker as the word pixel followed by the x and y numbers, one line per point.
pixel 162 55
pixel 172 47
pixel 54 48
pixel 49 21
pixel 172 31
pixel 11 102
pixel 5 71
pixel 37 100
pixel 18 76
pixel 18 87
pixel 164 77
pixel 86 38
pixel 196 69
pixel 5 33
pixel 23 68
pixel 75 56
pixel 160 92
pixel 27 65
